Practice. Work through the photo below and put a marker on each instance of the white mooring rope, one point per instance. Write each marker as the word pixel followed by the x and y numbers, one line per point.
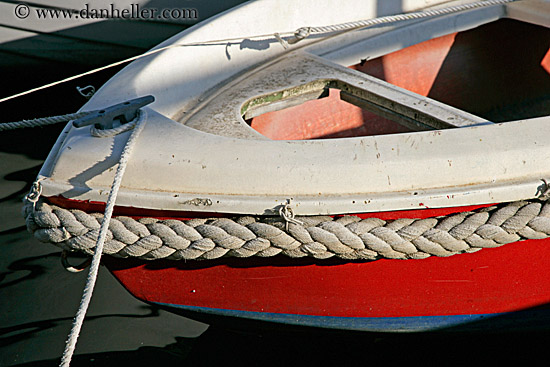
pixel 94 267
pixel 348 237
pixel 292 37
pixel 43 121
pixel 304 32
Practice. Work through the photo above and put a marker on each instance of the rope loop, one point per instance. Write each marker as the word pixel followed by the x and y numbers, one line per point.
pixel 35 192
pixel 89 93
pixel 99 238
pixel 105 133
pixel 300 34
pixel 73 268
pixel 286 212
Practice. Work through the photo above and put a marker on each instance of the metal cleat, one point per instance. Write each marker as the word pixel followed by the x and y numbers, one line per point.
pixel 114 115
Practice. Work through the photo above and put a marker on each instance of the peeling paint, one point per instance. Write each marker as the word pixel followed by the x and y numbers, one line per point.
pixel 198 202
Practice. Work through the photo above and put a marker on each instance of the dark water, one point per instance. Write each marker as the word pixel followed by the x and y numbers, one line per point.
pixel 38 298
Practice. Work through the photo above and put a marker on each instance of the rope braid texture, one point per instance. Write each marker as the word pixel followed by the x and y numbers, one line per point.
pixel 321 237
pixel 99 240
pixel 304 32
pixel 44 121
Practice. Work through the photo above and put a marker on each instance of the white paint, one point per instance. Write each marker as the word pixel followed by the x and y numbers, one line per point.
pixel 173 164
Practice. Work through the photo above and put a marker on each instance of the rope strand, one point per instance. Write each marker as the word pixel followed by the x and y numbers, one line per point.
pixel 304 32
pixel 295 37
pixel 94 267
pixel 348 237
pixel 44 121
pixel 117 63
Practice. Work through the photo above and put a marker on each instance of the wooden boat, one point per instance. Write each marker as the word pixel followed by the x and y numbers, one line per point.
pixel 385 178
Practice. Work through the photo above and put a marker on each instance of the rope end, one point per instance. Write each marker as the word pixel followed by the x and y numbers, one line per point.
pixel 281 40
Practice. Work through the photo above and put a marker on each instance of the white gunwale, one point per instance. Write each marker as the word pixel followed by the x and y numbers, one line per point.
pixel 175 162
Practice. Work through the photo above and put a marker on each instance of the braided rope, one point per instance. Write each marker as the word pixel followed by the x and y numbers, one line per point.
pixel 42 121
pixel 100 241
pixel 304 32
pixel 321 237
pixel 104 133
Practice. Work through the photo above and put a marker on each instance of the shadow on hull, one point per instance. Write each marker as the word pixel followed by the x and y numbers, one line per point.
pixel 536 319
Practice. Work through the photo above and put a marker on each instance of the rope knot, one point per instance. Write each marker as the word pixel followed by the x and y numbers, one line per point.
pixel 87 91
pixel 285 211
pixel 543 191
pixel 300 34
pixel 34 193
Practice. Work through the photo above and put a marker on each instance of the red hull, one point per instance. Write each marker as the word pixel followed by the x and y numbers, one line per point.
pixel 472 71
pixel 490 281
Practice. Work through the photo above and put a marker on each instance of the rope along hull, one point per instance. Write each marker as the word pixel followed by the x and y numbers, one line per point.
pixel 321 237
pixel 446 292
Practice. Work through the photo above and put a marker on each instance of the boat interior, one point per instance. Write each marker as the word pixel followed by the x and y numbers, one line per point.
pixel 499 72
pixel 230 108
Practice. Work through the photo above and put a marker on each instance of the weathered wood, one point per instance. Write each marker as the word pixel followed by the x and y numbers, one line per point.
pixel 384 112
pixel 405 107
pixel 283 103
pixel 311 77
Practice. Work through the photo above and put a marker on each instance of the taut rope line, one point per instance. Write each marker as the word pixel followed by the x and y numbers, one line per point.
pixel 348 237
pixel 292 37
pixel 304 32
pixel 94 267
pixel 43 121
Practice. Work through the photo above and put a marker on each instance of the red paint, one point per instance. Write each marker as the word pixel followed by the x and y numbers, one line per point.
pixel 99 207
pixel 508 278
pixel 136 213
pixel 471 70
pixel 491 280
pixel 545 63
pixel 476 71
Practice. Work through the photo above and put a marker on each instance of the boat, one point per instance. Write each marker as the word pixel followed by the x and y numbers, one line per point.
pixel 352 169
pixel 84 34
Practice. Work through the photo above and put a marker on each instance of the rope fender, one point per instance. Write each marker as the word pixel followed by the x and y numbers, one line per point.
pixel 348 237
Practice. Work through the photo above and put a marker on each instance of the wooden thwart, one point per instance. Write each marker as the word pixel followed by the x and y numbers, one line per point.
pixel 380 97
